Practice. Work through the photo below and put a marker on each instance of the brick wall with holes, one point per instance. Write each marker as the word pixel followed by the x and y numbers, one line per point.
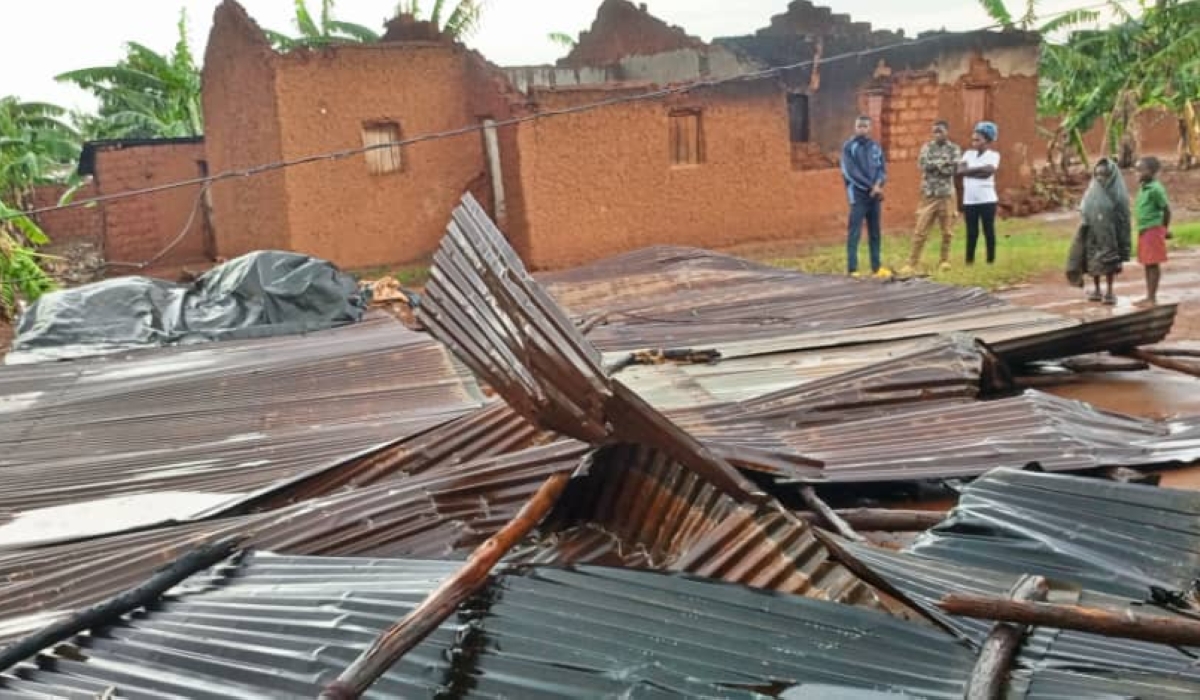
pixel 68 224
pixel 139 228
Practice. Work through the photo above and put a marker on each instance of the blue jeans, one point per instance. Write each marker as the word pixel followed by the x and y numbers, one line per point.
pixel 868 208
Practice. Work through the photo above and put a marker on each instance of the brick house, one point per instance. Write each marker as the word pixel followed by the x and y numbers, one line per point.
pixel 750 160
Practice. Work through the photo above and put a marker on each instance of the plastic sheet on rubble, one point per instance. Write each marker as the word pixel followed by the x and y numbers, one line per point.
pixel 266 293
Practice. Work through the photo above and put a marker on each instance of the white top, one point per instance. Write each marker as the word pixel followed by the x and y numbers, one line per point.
pixel 980 190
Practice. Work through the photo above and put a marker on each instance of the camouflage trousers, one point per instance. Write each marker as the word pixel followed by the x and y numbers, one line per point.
pixel 933 210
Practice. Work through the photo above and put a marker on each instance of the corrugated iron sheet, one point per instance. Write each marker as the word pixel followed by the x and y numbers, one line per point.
pixel 949 440
pixel 281 627
pixel 1124 331
pixel 636 507
pixel 668 297
pixel 489 310
pixel 1109 537
pixel 225 418
pixel 439 513
pixel 924 581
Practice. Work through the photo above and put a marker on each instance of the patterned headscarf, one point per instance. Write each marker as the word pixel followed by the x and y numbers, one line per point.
pixel 987 130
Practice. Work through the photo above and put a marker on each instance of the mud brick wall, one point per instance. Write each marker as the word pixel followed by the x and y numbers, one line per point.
pixel 68 224
pixel 602 182
pixel 138 228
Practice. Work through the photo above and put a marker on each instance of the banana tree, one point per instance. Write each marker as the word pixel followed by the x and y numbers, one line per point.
pixel 146 94
pixel 323 30
pixel 459 22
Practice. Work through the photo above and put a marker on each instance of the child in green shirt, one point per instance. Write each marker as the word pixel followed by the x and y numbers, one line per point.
pixel 1153 213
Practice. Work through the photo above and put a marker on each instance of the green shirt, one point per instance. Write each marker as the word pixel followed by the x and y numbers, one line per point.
pixel 1151 205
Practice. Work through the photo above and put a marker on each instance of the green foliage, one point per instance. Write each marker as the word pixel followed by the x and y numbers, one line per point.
pixel 21 277
pixel 562 39
pixel 145 95
pixel 324 31
pixel 460 22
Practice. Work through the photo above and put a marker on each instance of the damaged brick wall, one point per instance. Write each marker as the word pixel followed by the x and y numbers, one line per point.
pixel 137 229
pixel 68 224
pixel 622 29
pixel 603 182
pixel 333 99
pixel 241 129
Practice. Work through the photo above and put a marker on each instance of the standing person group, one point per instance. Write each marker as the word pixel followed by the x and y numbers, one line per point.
pixel 864 169
pixel 1104 243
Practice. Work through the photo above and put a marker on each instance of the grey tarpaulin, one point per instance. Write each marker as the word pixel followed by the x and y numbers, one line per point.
pixel 266 293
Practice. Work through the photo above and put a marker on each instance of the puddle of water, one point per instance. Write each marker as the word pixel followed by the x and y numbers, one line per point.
pixel 1156 393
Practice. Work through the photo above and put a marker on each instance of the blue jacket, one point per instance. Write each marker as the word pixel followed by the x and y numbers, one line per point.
pixel 863 166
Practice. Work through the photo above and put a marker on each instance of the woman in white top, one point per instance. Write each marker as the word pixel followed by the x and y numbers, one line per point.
pixel 978 168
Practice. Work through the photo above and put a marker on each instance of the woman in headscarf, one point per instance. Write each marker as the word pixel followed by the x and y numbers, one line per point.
pixel 1105 237
pixel 978 169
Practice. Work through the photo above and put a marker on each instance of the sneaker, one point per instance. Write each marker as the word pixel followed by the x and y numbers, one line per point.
pixel 944 267
pixel 856 275
pixel 883 273
pixel 1110 299
pixel 1094 296
pixel 908 271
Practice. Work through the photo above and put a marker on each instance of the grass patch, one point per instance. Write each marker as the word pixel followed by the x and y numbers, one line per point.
pixel 1024 250
pixel 1185 235
pixel 409 276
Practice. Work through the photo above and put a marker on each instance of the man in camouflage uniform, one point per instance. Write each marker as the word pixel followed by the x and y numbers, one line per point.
pixel 938 162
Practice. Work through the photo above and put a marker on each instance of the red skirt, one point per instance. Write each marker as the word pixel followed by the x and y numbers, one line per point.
pixel 1152 246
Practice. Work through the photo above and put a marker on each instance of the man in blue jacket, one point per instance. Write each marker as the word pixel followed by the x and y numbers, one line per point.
pixel 864 169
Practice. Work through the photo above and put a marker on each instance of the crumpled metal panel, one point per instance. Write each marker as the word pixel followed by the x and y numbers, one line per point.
pixel 1109 537
pixel 923 581
pixel 1122 331
pixel 225 418
pixel 670 297
pixel 948 440
pixel 488 309
pixel 636 507
pixel 282 627
pixel 445 512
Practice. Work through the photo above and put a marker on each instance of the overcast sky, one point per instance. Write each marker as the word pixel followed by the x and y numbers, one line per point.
pixel 46 37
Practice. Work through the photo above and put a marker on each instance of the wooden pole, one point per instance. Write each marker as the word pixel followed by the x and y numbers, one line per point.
pixel 397 640
pixel 828 516
pixel 115 607
pixel 1164 362
pixel 1158 629
pixel 884 520
pixel 990 674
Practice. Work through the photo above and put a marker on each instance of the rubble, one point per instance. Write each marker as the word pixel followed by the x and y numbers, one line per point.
pixel 692 541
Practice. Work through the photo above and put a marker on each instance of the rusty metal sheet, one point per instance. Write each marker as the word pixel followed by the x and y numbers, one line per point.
pixel 446 511
pixel 637 507
pixel 1122 331
pixel 489 310
pixel 277 626
pixel 217 419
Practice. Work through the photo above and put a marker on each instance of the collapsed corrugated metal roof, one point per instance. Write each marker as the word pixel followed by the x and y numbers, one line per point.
pixel 281 626
pixel 1114 538
pixel 635 507
pixel 669 297
pixel 218 420
pixel 439 513
pixel 924 581
pixel 484 304
pixel 1117 332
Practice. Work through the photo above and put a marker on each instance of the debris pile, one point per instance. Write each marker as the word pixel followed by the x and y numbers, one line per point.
pixel 710 453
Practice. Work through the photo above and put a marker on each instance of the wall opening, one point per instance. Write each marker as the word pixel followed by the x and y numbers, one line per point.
pixel 385 159
pixel 687 139
pixel 799 126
